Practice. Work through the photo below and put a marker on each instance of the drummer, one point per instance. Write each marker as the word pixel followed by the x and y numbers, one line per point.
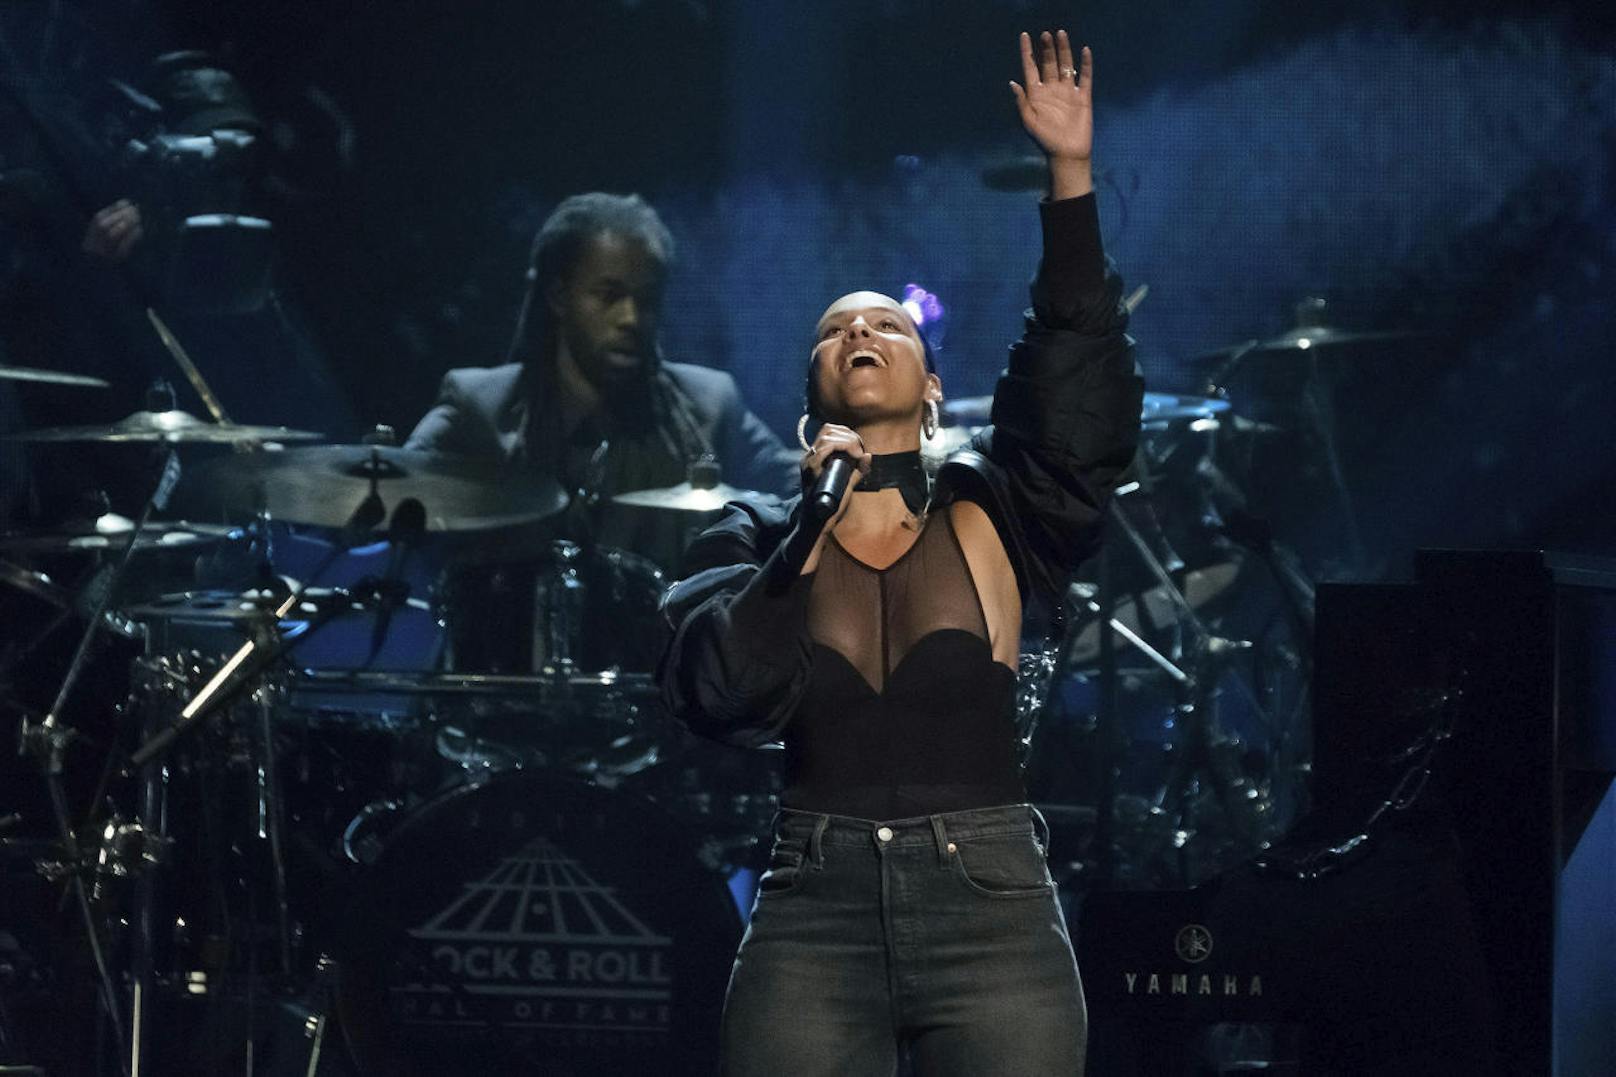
pixel 586 394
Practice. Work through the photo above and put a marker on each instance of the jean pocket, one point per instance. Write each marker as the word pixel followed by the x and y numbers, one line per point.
pixel 1004 867
pixel 788 867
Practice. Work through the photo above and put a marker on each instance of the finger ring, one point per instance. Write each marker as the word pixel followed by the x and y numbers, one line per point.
pixel 1068 72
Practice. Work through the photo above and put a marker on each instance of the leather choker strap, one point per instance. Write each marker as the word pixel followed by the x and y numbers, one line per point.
pixel 903 471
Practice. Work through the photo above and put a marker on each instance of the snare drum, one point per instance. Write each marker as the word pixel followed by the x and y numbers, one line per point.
pixel 536 924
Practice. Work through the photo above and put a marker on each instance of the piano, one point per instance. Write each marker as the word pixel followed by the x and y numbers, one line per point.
pixel 1449 904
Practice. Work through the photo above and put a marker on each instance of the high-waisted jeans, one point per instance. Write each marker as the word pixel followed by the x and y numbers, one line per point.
pixel 939 936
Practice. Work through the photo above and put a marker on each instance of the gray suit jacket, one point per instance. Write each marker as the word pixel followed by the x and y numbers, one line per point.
pixel 485 412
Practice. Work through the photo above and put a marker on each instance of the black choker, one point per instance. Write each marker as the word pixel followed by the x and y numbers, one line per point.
pixel 904 471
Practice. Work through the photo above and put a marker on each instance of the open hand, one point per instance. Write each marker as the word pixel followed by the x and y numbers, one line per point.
pixel 1057 102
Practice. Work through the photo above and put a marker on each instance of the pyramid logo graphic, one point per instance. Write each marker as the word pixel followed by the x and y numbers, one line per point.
pixel 538 943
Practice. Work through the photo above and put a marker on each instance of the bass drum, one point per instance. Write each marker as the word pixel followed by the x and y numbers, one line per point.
pixel 537 925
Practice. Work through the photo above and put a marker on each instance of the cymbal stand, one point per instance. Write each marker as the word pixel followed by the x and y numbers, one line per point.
pixel 1319 409
pixel 47 744
pixel 1108 727
pixel 241 670
pixel 1207 650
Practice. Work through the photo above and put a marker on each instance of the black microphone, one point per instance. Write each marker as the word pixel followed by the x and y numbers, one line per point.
pixel 826 496
pixel 404 530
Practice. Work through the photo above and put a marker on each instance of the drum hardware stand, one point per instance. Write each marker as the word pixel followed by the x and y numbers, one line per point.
pixel 324 998
pixel 271 823
pixel 47 743
pixel 1228 514
pixel 242 669
pixel 1108 726
pixel 1206 647
pixel 1320 411
pixel 1211 654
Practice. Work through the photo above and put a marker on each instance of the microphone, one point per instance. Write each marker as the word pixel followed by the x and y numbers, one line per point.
pixel 826 496
pixel 404 530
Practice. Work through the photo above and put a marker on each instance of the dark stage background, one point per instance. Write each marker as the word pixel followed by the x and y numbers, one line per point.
pixel 1428 166
pixel 1443 169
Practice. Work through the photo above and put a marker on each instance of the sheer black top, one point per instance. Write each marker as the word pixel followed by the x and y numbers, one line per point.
pixel 882 684
pixel 911 714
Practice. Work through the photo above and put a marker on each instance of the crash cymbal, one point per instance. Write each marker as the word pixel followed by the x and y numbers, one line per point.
pixel 1308 339
pixel 50 377
pixel 975 411
pixel 323 485
pixel 171 427
pixel 111 532
pixel 686 497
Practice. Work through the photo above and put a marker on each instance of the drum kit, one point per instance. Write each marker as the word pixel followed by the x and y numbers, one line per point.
pixel 501 858
pixel 498 855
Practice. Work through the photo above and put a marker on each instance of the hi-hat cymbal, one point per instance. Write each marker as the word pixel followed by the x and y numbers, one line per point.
pixel 323 485
pixel 111 532
pixel 172 427
pixel 222 607
pixel 50 377
pixel 686 497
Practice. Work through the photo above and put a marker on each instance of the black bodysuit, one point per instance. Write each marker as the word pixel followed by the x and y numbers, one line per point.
pixel 882 684
pixel 905 712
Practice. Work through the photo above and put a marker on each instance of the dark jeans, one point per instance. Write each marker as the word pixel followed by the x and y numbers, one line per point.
pixel 939 935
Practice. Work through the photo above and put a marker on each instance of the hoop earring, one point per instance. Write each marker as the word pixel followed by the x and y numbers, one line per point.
pixel 928 421
pixel 802 433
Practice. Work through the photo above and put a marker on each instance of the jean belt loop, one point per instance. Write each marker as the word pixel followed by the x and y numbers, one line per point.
pixel 816 841
pixel 1040 827
pixel 941 836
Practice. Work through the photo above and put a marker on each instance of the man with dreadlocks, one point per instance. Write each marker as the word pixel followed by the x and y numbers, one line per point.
pixel 585 394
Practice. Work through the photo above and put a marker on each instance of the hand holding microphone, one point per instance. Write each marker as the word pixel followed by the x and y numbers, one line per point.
pixel 830 472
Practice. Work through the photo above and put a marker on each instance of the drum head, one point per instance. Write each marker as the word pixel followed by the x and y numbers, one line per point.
pixel 538 925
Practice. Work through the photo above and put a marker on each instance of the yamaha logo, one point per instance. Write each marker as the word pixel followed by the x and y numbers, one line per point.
pixel 1193 944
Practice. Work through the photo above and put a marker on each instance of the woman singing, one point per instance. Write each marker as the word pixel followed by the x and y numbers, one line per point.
pixel 907 906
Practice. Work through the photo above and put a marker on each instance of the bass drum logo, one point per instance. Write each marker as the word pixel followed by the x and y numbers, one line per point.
pixel 538 925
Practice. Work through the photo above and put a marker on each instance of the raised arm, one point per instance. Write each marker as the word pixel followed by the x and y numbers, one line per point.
pixel 1066 409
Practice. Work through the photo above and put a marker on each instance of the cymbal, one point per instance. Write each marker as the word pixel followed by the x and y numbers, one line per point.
pixel 1163 408
pixel 171 427
pixel 1158 407
pixel 110 532
pixel 685 497
pixel 1309 338
pixel 50 377
pixel 322 485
